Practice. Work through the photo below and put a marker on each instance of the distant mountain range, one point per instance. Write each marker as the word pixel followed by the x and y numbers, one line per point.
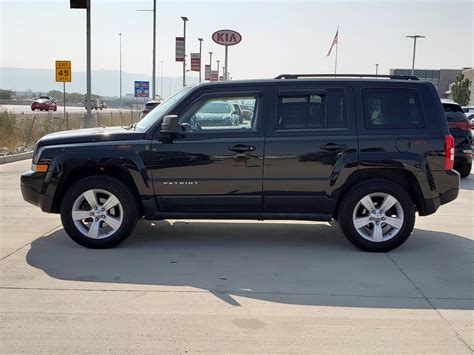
pixel 104 82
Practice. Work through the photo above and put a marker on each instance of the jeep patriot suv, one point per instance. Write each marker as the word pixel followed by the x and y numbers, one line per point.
pixel 366 152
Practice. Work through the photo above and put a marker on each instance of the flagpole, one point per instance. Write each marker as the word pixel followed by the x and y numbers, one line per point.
pixel 337 45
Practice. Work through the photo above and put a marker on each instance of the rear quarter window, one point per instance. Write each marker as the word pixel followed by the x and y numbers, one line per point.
pixel 454 113
pixel 392 108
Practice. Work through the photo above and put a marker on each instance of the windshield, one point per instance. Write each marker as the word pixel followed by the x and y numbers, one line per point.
pixel 44 97
pixel 216 107
pixel 161 110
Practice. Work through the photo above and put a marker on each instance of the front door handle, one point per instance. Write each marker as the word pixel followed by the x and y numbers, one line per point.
pixel 333 147
pixel 240 148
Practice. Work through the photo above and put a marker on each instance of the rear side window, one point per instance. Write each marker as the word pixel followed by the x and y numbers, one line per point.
pixel 312 111
pixel 392 108
pixel 454 113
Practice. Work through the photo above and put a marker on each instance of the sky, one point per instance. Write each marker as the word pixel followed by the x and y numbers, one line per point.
pixel 278 36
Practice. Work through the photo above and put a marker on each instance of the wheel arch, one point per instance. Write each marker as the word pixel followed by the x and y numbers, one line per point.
pixel 401 177
pixel 80 173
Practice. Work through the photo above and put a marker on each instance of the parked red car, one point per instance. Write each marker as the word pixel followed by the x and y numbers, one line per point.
pixel 44 103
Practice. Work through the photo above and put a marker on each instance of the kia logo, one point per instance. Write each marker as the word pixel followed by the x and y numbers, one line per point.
pixel 226 37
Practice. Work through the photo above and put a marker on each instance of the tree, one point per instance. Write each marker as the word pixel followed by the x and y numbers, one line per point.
pixel 56 94
pixel 460 90
pixel 6 94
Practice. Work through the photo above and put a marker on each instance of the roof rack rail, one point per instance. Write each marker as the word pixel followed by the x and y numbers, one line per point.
pixel 297 76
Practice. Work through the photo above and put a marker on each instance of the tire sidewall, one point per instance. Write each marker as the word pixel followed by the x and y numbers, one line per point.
pixel 115 187
pixel 364 189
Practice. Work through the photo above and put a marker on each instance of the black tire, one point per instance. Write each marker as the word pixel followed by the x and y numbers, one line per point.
pixel 126 198
pixel 349 203
pixel 464 169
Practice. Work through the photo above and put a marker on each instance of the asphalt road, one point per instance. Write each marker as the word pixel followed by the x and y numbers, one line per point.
pixel 26 109
pixel 211 286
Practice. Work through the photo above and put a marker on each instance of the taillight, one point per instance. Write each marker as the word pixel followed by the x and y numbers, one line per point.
pixel 464 126
pixel 449 152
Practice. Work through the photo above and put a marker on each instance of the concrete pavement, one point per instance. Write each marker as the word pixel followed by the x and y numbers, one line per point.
pixel 206 286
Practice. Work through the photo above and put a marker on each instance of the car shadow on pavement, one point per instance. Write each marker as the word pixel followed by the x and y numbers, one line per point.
pixel 307 264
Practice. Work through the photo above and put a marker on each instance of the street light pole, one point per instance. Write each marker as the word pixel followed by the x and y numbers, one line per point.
pixel 218 61
pixel 210 66
pixel 153 73
pixel 153 87
pixel 376 69
pixel 120 46
pixel 185 19
pixel 161 80
pixel 200 58
pixel 415 37
pixel 88 121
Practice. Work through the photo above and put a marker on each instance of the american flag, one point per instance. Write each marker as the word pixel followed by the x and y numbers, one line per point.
pixel 335 40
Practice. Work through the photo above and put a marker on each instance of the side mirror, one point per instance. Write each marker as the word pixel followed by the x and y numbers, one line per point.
pixel 170 128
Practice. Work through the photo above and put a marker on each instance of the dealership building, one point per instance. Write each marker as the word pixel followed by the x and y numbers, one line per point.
pixel 442 79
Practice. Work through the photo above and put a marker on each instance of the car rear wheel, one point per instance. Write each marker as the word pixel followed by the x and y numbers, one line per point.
pixel 464 169
pixel 99 212
pixel 377 216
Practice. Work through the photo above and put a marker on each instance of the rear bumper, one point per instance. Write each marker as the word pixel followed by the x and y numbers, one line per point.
pixel 446 184
pixel 463 157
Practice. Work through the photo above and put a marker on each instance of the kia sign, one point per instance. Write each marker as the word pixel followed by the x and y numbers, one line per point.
pixel 226 37
pixel 195 62
pixel 180 49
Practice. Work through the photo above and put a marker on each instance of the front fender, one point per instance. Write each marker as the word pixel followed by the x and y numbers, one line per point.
pixel 69 161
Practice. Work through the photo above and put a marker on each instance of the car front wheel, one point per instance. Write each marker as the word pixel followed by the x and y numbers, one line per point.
pixel 377 216
pixel 99 212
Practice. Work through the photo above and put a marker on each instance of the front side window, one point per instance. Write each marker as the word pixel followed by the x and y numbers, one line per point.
pixel 312 111
pixel 221 114
pixel 392 108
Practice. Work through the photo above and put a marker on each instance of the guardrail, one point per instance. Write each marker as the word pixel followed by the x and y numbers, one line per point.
pixel 15 157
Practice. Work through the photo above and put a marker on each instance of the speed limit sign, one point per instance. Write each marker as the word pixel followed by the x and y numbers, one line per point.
pixel 63 71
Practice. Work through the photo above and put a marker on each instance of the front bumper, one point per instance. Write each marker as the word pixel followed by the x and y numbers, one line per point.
pixel 31 183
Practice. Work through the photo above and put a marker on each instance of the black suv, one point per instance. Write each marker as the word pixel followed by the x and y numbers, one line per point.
pixel 460 129
pixel 368 153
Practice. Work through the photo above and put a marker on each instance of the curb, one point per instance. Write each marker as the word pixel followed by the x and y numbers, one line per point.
pixel 15 157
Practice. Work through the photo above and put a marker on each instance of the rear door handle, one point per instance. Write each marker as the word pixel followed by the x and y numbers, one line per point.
pixel 240 148
pixel 333 147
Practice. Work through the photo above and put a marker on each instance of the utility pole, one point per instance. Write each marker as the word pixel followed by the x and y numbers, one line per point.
pixel 218 61
pixel 200 58
pixel 415 37
pixel 120 39
pixel 185 19
pixel 210 66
